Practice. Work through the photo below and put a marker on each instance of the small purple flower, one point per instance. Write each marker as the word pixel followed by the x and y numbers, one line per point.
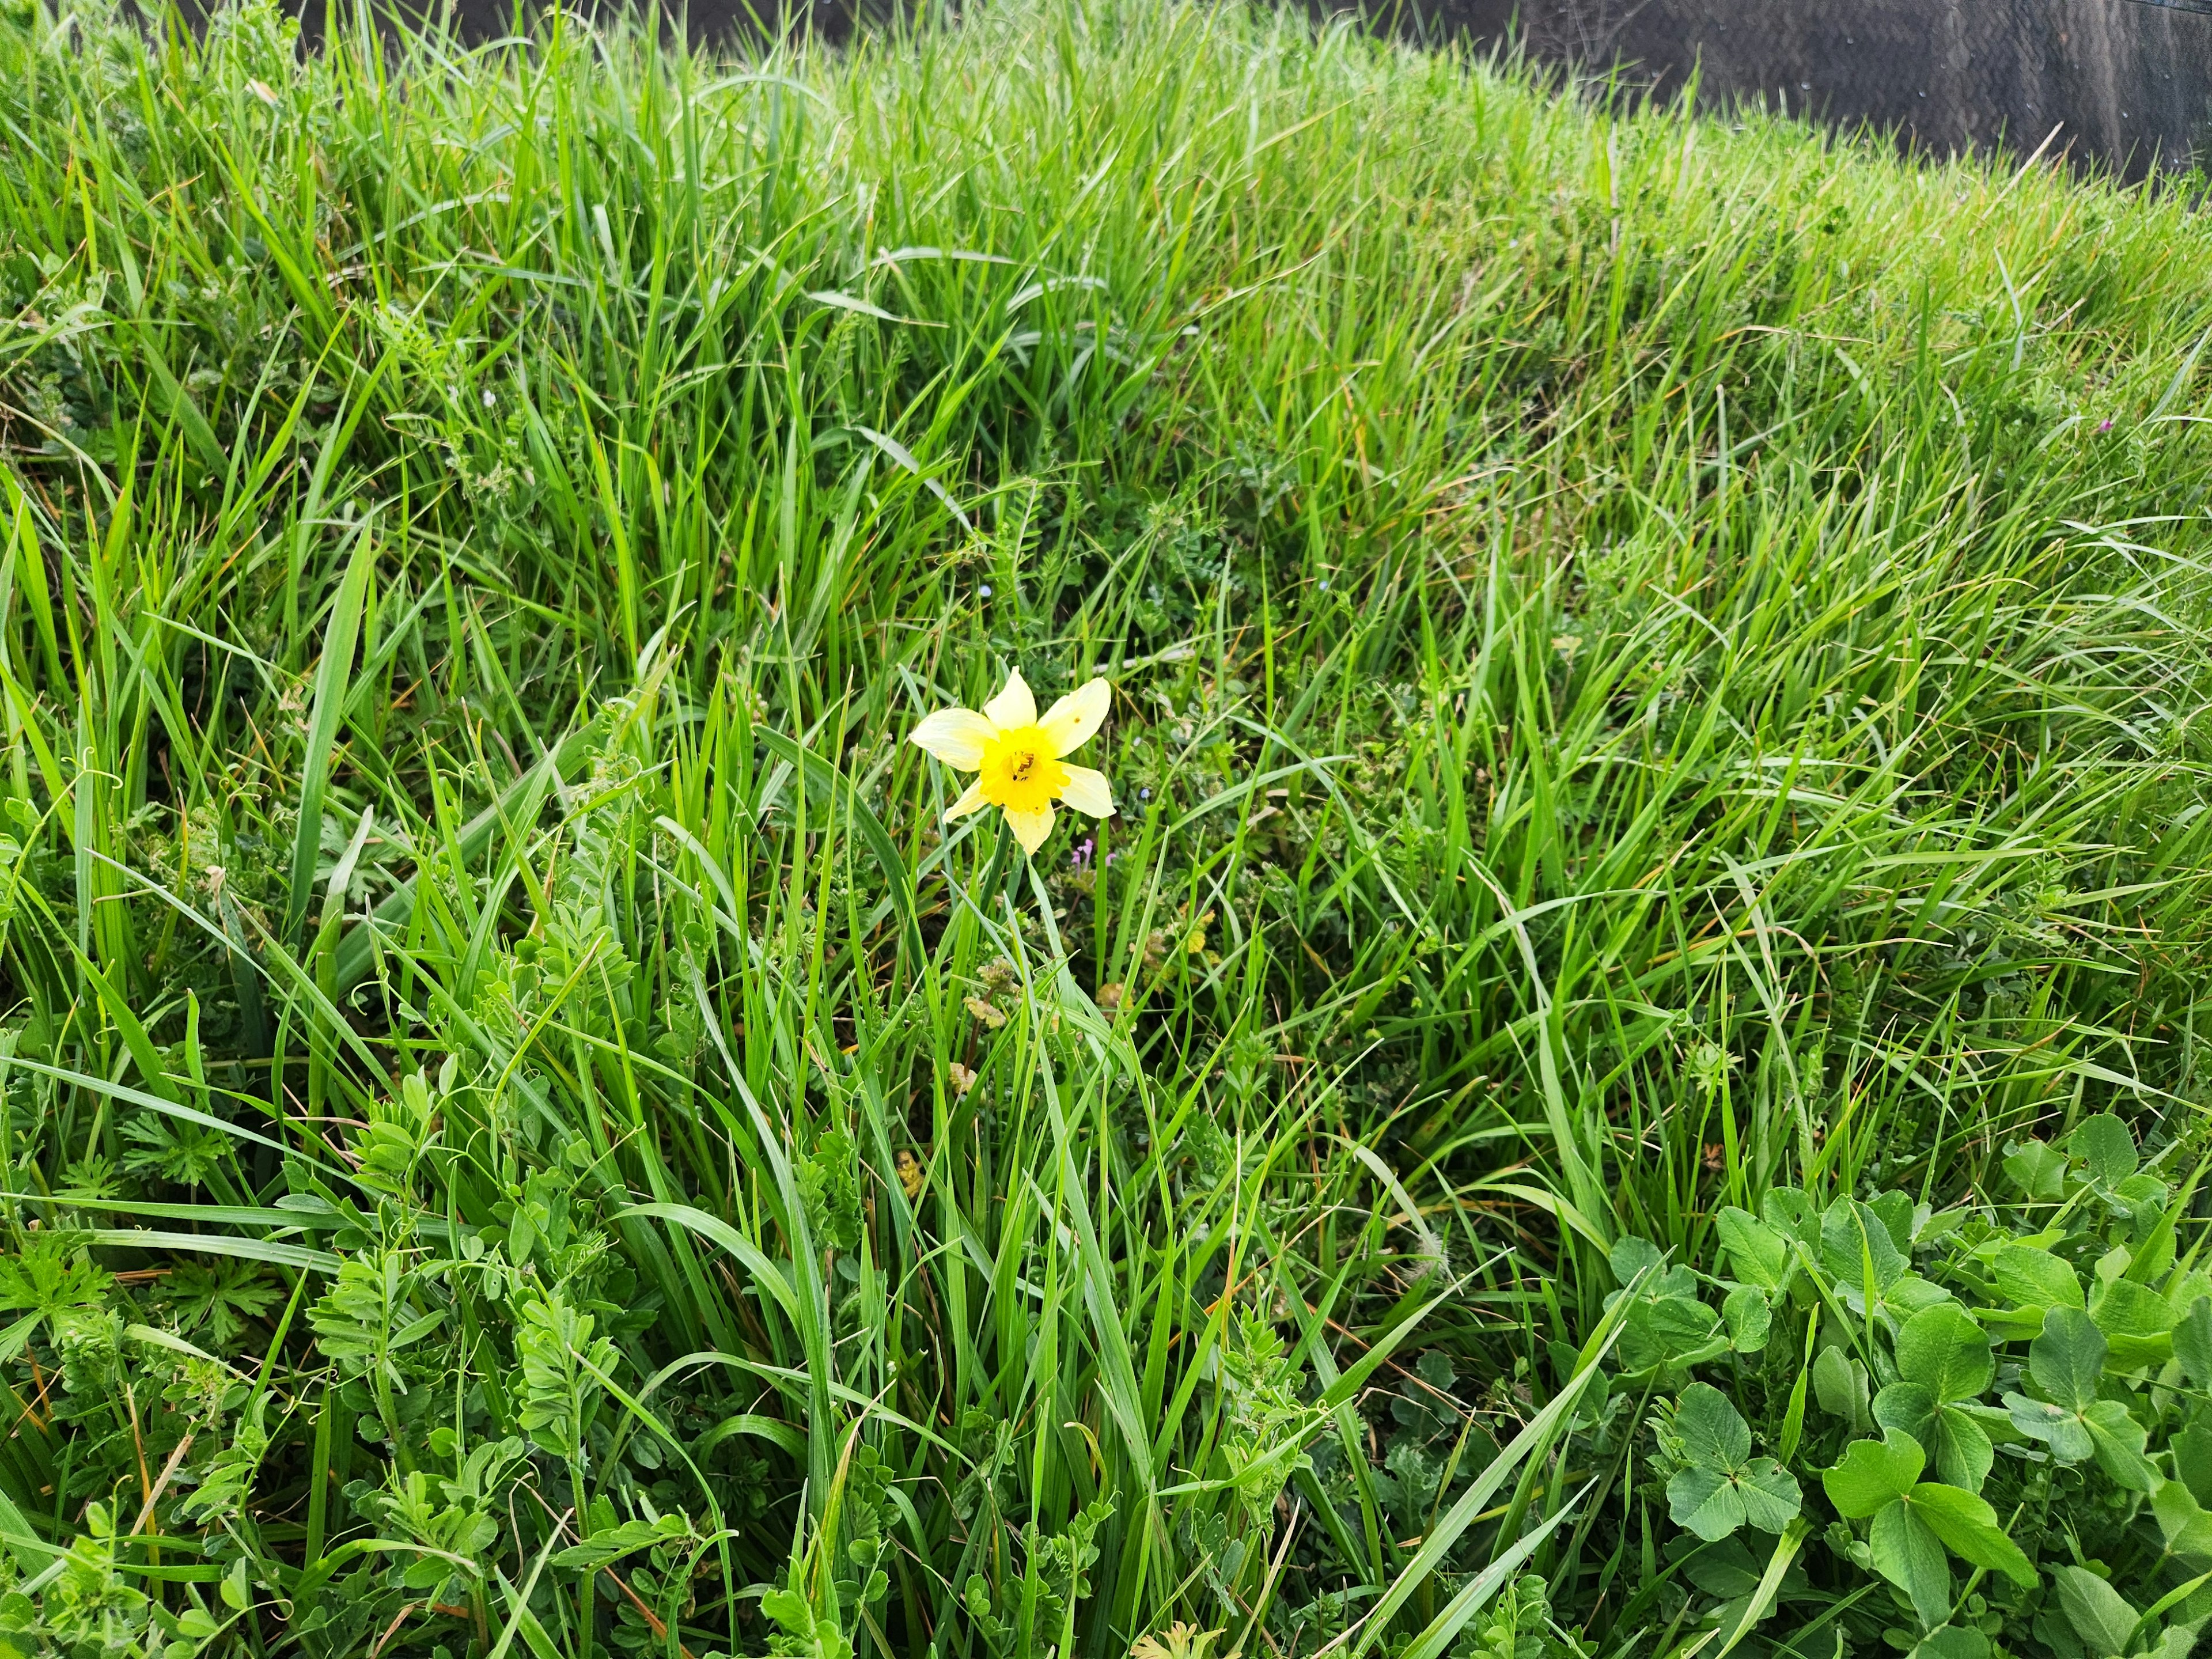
pixel 2104 425
pixel 1143 794
pixel 1081 857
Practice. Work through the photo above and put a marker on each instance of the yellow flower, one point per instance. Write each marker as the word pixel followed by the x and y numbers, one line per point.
pixel 1181 1641
pixel 1019 758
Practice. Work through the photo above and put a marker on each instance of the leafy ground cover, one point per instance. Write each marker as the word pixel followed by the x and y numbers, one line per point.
pixel 1623 1082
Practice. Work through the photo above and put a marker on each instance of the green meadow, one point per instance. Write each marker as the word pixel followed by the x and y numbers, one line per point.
pixel 1623 1081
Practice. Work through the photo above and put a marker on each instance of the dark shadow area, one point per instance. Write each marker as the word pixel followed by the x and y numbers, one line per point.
pixel 2121 83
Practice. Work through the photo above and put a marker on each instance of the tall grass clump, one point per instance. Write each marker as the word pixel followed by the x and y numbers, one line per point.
pixel 1659 710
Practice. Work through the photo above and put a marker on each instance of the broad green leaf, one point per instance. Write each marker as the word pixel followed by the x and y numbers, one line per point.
pixel 1951 1641
pixel 1725 1485
pixel 2029 1278
pixel 1895 1210
pixel 1727 1574
pixel 1962 1449
pixel 1632 1255
pixel 1756 1600
pixel 2192 1458
pixel 2057 1426
pixel 1945 1350
pixel 1970 1530
pixel 1873 1472
pixel 1856 1245
pixel 1706 1502
pixel 2139 1195
pixel 2104 1144
pixel 1839 1383
pixel 2183 1522
pixel 2119 1443
pixel 2038 1169
pixel 2067 1359
pixel 1910 1555
pixel 1772 1495
pixel 1749 1319
pixel 1910 1408
pixel 1713 1433
pixel 2103 1429
pixel 1760 1254
pixel 1959 1446
pixel 2137 1323
pixel 1790 1212
pixel 2193 1342
pixel 2100 1615
pixel 1667 1328
pixel 1912 1296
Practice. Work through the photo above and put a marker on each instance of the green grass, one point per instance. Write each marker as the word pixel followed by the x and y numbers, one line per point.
pixel 1654 662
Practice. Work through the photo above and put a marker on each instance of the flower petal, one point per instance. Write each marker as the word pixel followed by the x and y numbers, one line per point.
pixel 1077 715
pixel 955 736
pixel 1030 828
pixel 1087 791
pixel 972 801
pixel 1013 706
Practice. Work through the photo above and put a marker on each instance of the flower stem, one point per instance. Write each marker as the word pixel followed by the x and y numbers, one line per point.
pixel 995 882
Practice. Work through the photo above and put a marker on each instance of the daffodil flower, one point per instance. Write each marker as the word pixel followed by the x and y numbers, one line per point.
pixel 1019 758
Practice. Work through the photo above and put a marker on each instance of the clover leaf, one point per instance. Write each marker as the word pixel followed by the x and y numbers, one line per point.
pixel 1666 1324
pixel 1764 1260
pixel 2136 1321
pixel 2028 1277
pixel 1760 1254
pixel 2100 1615
pixel 1943 1366
pixel 1858 1251
pixel 1749 1319
pixel 2107 1151
pixel 2105 1148
pixel 1839 1385
pixel 1916 1521
pixel 1722 1486
pixel 2192 1342
pixel 2038 1169
pixel 2066 1364
pixel 1863 1258
pixel 2183 1522
pixel 1953 1642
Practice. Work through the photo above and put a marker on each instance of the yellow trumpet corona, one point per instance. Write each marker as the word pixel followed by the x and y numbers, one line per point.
pixel 1019 761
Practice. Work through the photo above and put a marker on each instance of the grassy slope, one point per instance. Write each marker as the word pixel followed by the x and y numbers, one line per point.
pixel 1652 658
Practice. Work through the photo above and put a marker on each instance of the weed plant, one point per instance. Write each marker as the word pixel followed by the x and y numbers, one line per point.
pixel 1660 722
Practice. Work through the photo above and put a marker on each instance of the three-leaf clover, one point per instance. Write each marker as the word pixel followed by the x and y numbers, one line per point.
pixel 1722 1486
pixel 1916 1521
pixel 2066 1362
pixel 1943 1366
